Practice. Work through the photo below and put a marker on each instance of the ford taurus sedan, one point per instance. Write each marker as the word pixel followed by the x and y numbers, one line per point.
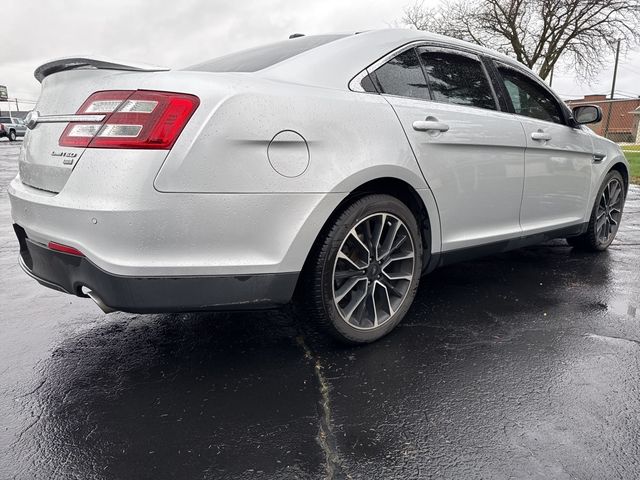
pixel 335 170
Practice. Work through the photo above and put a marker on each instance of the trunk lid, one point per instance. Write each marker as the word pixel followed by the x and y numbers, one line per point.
pixel 66 84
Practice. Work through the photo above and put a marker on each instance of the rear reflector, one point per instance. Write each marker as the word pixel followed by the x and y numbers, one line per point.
pixel 58 247
pixel 133 119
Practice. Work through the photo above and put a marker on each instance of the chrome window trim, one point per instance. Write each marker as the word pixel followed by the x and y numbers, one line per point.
pixel 355 86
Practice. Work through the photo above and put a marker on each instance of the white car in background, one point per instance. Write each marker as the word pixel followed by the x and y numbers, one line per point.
pixel 12 128
pixel 333 169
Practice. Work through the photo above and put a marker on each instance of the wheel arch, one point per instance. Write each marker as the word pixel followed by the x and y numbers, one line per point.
pixel 419 201
pixel 623 170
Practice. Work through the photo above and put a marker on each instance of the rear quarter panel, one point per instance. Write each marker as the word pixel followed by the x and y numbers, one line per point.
pixel 351 138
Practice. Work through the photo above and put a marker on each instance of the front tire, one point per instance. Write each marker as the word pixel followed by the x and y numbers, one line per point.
pixel 364 271
pixel 605 216
pixel 12 136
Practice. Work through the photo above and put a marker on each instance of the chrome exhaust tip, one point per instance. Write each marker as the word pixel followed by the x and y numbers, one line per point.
pixel 105 308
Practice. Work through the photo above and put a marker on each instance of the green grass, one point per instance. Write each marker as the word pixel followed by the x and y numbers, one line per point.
pixel 634 161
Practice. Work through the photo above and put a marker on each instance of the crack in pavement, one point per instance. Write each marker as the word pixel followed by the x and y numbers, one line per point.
pixel 25 430
pixel 31 392
pixel 325 438
pixel 609 337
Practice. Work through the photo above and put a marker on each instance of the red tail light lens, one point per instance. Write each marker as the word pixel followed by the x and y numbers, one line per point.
pixel 140 119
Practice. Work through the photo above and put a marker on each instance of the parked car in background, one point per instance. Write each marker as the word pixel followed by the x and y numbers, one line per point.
pixel 12 128
pixel 333 169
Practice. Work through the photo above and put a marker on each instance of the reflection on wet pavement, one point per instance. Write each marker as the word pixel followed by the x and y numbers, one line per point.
pixel 520 365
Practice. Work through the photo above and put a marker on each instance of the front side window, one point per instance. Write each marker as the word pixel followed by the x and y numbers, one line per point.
pixel 529 98
pixel 403 76
pixel 457 78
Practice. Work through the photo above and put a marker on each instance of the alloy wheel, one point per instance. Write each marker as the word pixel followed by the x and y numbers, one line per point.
pixel 609 211
pixel 373 271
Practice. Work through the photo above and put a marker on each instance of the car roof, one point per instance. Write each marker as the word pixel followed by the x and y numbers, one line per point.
pixel 332 65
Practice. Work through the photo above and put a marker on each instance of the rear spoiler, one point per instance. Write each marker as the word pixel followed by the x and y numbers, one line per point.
pixel 70 63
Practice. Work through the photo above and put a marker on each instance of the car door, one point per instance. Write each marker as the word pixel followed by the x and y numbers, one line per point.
pixel 471 154
pixel 558 159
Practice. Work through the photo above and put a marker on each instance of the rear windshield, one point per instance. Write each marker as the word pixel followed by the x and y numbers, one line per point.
pixel 255 59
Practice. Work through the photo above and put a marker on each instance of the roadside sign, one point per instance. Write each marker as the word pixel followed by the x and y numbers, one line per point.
pixel 4 95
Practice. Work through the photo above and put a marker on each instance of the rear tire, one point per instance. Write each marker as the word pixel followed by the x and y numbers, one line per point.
pixel 12 136
pixel 364 271
pixel 605 216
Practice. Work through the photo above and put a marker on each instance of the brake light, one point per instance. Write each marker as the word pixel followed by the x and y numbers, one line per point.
pixel 132 119
pixel 58 247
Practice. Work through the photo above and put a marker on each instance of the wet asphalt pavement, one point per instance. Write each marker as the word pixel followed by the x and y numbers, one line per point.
pixel 520 365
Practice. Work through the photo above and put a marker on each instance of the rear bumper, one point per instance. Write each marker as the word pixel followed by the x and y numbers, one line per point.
pixel 70 273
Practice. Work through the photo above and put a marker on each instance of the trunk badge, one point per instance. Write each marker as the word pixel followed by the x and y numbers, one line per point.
pixel 67 157
pixel 31 120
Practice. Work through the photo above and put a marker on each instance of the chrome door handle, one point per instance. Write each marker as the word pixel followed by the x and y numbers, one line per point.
pixel 430 124
pixel 540 135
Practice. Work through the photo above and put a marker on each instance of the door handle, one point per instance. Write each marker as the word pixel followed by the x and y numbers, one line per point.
pixel 430 124
pixel 541 136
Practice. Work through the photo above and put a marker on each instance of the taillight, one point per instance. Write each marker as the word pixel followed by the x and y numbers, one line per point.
pixel 133 119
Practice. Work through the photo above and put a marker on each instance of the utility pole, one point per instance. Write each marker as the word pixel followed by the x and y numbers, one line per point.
pixel 17 106
pixel 613 90
pixel 615 69
pixel 551 78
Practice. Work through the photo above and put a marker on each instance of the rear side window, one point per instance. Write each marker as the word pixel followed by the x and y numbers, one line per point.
pixel 403 76
pixel 258 58
pixel 457 78
pixel 529 98
pixel 5 120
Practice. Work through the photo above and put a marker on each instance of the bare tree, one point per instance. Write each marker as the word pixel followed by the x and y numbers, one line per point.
pixel 537 32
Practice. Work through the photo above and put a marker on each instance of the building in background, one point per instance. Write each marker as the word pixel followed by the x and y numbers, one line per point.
pixel 21 114
pixel 620 117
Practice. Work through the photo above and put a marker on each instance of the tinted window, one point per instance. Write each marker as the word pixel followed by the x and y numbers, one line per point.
pixel 403 76
pixel 5 120
pixel 255 59
pixel 529 98
pixel 367 84
pixel 457 78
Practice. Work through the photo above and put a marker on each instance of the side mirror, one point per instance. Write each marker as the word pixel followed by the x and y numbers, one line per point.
pixel 587 114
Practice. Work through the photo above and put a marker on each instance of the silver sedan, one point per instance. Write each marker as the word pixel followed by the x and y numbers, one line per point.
pixel 333 170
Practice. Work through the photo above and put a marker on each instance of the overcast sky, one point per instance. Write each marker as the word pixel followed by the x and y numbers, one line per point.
pixel 180 33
